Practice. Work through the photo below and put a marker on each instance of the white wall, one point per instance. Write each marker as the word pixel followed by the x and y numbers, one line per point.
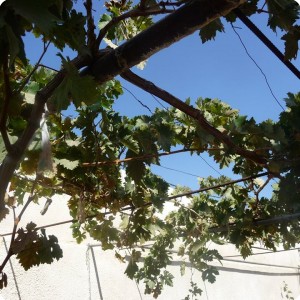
pixel 73 277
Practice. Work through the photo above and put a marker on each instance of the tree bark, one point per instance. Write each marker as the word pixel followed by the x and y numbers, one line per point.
pixel 194 15
pixel 186 20
pixel 13 158
pixel 196 114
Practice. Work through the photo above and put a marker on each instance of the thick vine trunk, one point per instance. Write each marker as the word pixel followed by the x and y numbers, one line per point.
pixel 185 21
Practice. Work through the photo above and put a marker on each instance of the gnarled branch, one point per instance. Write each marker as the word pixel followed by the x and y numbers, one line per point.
pixel 192 16
pixel 13 158
pixel 192 112
pixel 189 18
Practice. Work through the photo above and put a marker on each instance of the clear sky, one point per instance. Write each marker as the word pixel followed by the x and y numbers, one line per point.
pixel 218 69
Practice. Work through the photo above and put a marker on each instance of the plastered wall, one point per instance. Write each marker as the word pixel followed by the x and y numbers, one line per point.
pixel 87 272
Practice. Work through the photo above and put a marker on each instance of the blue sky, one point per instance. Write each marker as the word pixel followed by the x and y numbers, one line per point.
pixel 217 69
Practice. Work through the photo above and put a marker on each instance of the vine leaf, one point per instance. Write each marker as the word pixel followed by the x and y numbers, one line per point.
pixel 135 168
pixel 209 32
pixel 73 33
pixel 291 42
pixel 105 19
pixel 36 12
pixel 210 274
pixel 81 90
pixel 130 143
pixel 105 233
pixel 283 14
pixel 68 164
pixel 24 238
pixel 132 266
pixel 33 249
pixel 14 43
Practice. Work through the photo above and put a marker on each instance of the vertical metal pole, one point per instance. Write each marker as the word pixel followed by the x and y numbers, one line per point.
pixel 12 270
pixel 96 272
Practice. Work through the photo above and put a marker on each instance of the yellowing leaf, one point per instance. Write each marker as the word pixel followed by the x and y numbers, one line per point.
pixel 68 164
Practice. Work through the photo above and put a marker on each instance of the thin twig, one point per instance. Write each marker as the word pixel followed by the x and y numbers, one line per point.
pixel 49 68
pixel 139 101
pixel 196 114
pixel 91 36
pixel 266 41
pixel 146 156
pixel 167 199
pixel 256 64
pixel 169 3
pixel 264 5
pixel 262 11
pixel 137 12
pixel 16 223
pixel 7 97
pixel 256 193
pixel 220 185
pixel 26 80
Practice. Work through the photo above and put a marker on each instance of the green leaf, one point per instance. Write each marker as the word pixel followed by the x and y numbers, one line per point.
pixel 105 233
pixel 105 19
pixel 36 12
pixel 71 33
pixel 82 90
pixel 239 122
pixel 197 245
pixel 292 99
pixel 275 167
pixel 245 250
pixel 13 42
pixel 135 168
pixel 3 151
pixel 34 249
pixel 11 32
pixel 29 98
pixel 165 136
pixel 282 14
pixel 209 32
pixel 131 144
pixel 210 274
pixel 131 269
pixel 291 42
pixel 68 164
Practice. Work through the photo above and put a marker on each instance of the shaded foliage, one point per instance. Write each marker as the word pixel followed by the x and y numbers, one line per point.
pixel 78 155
